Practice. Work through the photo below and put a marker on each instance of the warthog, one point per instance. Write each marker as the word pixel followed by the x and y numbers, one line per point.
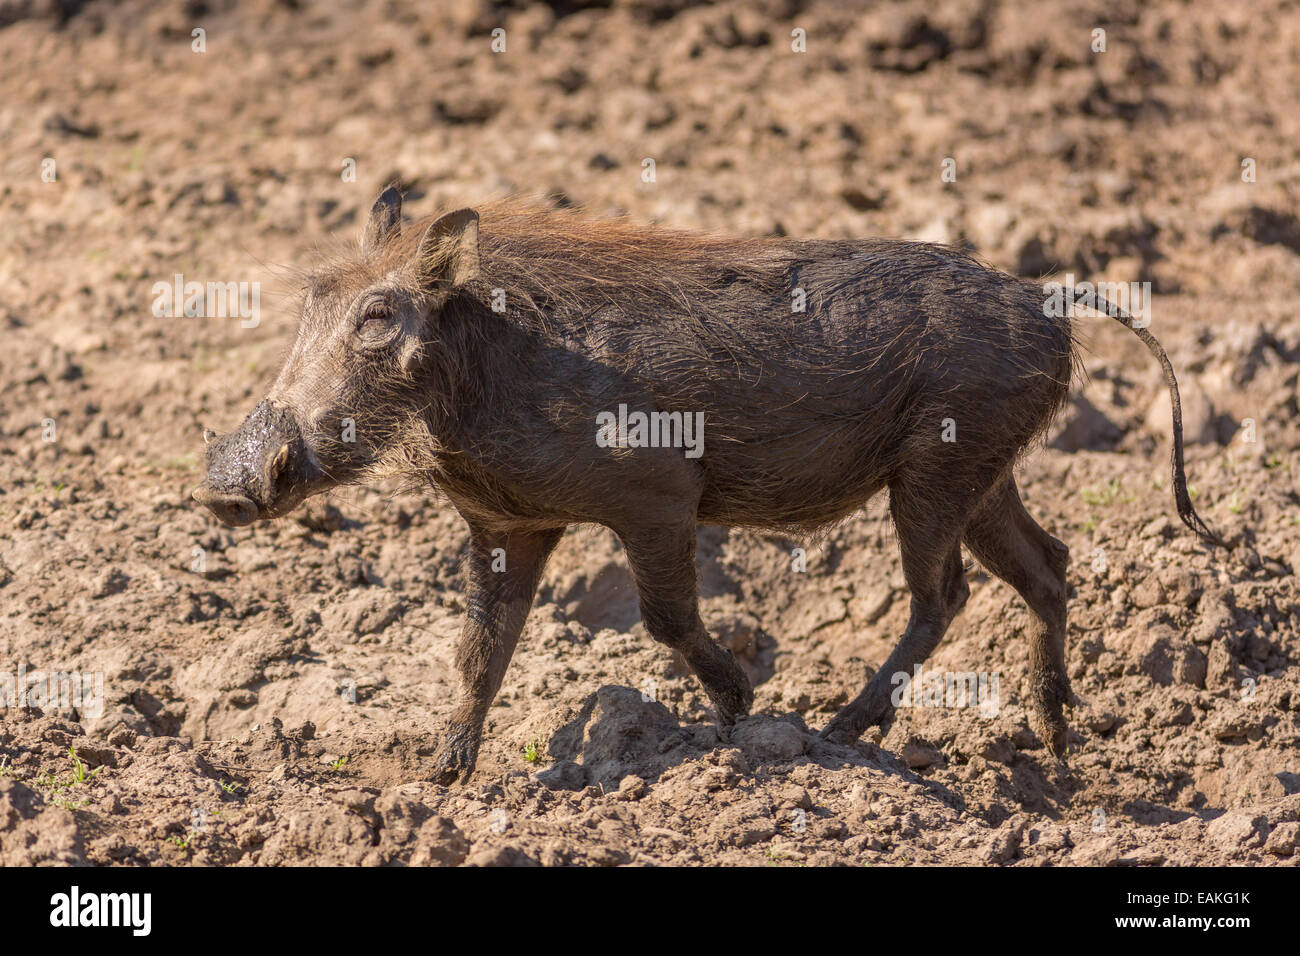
pixel 502 355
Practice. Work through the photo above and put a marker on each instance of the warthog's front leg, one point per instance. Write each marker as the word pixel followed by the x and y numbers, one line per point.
pixel 501 587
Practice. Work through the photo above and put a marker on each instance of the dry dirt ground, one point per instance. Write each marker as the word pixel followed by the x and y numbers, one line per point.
pixel 275 696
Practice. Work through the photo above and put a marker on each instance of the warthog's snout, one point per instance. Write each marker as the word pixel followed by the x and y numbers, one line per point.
pixel 229 509
pixel 260 470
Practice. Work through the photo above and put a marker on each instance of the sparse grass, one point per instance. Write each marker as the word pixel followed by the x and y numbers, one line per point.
pixel 229 786
pixel 339 764
pixel 77 775
pixel 776 858
pixel 1090 524
pixel 189 461
pixel 40 489
pixel 1103 496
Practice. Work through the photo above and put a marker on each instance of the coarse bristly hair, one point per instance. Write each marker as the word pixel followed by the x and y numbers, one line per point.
pixel 895 334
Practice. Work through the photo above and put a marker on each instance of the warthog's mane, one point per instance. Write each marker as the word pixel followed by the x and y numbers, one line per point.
pixel 559 265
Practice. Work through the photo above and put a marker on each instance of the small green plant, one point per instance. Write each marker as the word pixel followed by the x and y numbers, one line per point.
pixel 339 764
pixel 1090 524
pixel 1274 460
pixel 533 750
pixel 776 858
pixel 231 787
pixel 79 770
pixel 78 774
pixel 180 841
pixel 1102 496
pixel 1235 504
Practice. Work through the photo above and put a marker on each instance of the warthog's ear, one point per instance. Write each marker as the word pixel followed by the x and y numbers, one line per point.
pixel 385 217
pixel 448 253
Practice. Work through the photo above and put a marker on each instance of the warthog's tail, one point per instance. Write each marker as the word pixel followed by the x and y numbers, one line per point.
pixel 1184 500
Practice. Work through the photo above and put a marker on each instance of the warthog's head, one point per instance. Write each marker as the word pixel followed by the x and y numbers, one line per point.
pixel 355 384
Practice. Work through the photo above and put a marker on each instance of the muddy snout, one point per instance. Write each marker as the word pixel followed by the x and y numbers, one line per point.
pixel 260 470
pixel 232 509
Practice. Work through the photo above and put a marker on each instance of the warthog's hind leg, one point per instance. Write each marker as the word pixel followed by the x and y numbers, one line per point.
pixel 1008 542
pixel 662 559
pixel 929 534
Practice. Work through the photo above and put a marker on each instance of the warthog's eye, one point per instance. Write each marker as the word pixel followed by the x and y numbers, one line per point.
pixel 376 312
pixel 375 323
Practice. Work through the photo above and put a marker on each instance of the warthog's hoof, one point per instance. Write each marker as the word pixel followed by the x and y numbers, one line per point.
pixel 732 702
pixel 455 759
pixel 839 735
pixel 1052 730
pixel 729 708
pixel 1046 715
pixel 728 688
pixel 851 722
